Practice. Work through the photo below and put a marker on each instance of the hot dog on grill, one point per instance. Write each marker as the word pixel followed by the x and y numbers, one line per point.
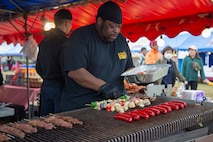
pixel 173 106
pixel 178 104
pixel 178 101
pixel 133 115
pixel 161 109
pixel 168 108
pixel 156 111
pixel 123 117
pixel 143 115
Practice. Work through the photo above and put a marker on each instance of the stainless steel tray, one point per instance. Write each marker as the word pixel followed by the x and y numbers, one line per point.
pixel 146 73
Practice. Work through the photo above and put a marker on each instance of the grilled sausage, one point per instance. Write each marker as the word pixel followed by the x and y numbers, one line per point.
pixel 161 109
pixel 156 111
pixel 141 114
pixel 123 117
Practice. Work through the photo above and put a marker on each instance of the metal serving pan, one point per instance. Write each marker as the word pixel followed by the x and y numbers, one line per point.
pixel 146 73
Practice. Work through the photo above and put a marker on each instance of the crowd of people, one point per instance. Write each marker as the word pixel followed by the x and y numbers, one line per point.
pixel 87 66
pixel 192 65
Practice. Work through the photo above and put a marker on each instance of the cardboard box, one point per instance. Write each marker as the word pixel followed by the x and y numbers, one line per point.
pixel 196 95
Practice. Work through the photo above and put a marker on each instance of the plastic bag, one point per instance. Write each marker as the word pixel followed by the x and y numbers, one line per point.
pixel 180 89
pixel 30 48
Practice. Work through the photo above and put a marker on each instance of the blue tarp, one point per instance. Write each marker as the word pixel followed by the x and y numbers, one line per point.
pixel 185 40
pixel 20 6
pixel 182 42
pixel 203 44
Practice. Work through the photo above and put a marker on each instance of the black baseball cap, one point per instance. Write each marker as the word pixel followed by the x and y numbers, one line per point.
pixel 110 11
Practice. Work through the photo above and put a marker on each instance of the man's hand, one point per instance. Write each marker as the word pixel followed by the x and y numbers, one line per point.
pixel 109 91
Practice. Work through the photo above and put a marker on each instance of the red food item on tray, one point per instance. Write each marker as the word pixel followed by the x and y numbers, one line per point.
pixel 126 118
pixel 168 108
pixel 173 106
pixel 149 112
pixel 143 115
pixel 156 111
pixel 161 109
pixel 133 115
pixel 181 106
pixel 178 101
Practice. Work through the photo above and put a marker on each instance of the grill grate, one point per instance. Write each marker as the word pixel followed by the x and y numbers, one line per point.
pixel 100 126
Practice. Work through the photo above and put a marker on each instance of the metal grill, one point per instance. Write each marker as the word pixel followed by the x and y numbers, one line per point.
pixel 100 125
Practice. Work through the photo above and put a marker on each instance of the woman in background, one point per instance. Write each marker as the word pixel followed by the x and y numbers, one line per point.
pixel 173 72
pixel 192 64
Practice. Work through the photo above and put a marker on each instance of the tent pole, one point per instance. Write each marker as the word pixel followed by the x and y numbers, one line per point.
pixel 28 87
pixel 27 67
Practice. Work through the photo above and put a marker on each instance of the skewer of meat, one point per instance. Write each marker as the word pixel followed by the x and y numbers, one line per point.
pixel 58 122
pixel 27 128
pixel 11 130
pixel 70 119
pixel 3 138
pixel 41 124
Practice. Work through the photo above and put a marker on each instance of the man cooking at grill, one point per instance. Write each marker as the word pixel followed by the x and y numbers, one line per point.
pixel 94 58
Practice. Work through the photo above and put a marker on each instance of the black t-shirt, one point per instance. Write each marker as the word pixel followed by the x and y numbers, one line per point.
pixel 85 49
pixel 49 60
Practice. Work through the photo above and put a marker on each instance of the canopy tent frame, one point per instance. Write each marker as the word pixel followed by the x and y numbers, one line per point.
pixel 26 35
pixel 140 18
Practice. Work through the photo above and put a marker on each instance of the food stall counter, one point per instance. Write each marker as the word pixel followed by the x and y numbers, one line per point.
pixel 18 95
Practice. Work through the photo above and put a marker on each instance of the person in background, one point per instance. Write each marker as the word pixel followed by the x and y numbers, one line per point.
pixel 173 72
pixel 10 62
pixel 94 58
pixel 49 63
pixel 141 60
pixel 2 88
pixel 1 78
pixel 192 64
pixel 153 55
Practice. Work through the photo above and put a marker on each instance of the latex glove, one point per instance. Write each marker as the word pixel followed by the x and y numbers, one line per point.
pixel 109 91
